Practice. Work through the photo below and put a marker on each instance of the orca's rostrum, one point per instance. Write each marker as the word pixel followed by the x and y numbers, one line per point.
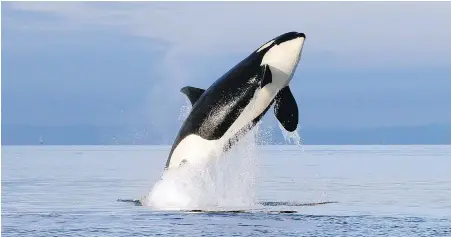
pixel 231 106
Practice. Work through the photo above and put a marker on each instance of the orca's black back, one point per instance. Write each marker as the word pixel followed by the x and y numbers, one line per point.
pixel 231 92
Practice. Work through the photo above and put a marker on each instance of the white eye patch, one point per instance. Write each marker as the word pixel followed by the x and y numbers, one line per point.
pixel 265 46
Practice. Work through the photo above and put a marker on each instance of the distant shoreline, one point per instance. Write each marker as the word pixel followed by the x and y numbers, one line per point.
pixel 432 134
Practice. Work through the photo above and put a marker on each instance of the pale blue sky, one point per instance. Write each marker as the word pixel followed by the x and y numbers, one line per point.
pixel 363 64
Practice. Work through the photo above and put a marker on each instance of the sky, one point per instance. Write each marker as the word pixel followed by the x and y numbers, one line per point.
pixel 364 64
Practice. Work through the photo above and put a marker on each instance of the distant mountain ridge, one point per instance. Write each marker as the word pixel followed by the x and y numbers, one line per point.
pixel 122 135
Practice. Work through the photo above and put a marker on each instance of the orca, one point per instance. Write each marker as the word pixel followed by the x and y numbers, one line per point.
pixel 236 102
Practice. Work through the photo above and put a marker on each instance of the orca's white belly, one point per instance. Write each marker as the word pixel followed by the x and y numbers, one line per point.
pixel 196 150
pixel 277 59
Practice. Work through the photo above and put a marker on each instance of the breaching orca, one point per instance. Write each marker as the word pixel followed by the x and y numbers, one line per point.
pixel 233 104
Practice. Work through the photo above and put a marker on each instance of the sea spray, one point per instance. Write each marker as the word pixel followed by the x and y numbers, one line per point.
pixel 185 110
pixel 227 182
pixel 291 137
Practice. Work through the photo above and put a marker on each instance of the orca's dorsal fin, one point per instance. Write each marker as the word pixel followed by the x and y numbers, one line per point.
pixel 286 109
pixel 192 93
pixel 266 75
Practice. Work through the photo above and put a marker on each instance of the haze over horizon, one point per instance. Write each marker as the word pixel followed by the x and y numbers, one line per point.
pixel 91 72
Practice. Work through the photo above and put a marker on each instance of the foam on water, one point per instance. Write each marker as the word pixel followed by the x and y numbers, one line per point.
pixel 226 182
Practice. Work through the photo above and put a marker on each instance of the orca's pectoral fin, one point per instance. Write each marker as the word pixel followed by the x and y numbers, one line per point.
pixel 266 75
pixel 192 93
pixel 286 109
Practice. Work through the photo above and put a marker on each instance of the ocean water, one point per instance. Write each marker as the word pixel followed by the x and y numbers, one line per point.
pixel 366 191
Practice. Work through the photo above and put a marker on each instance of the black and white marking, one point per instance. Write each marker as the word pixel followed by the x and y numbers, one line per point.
pixel 233 104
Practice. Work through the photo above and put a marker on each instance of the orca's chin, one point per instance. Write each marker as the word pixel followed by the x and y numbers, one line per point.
pixel 284 58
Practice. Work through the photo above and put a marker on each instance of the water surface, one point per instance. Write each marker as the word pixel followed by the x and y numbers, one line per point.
pixel 378 190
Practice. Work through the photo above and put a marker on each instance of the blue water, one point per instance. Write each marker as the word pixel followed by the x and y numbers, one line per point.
pixel 376 190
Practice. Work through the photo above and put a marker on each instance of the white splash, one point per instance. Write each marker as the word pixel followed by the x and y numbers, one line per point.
pixel 291 137
pixel 185 110
pixel 227 182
